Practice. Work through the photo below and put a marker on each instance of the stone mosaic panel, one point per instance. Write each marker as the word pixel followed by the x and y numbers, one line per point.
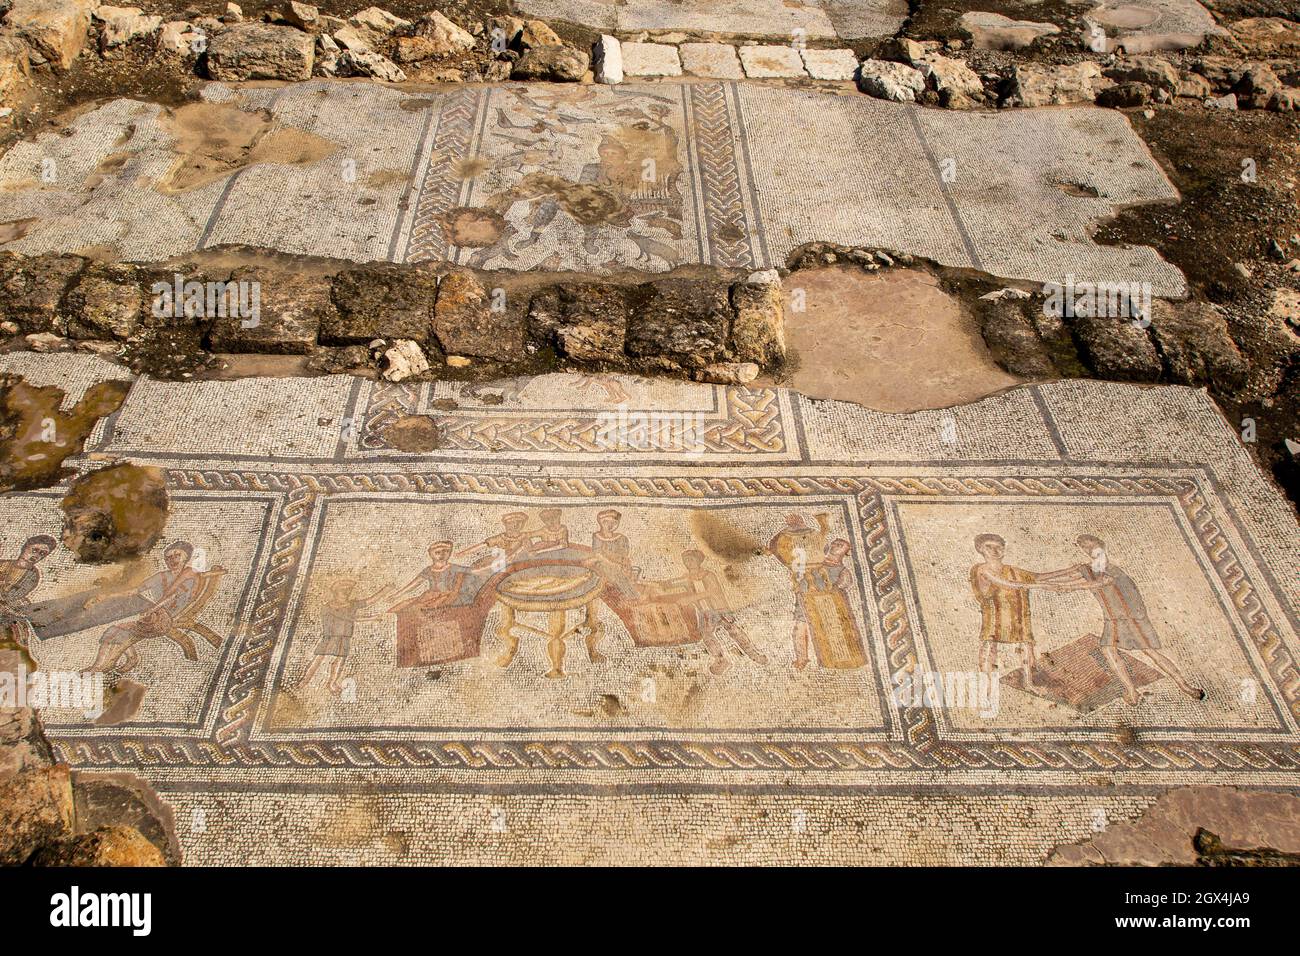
pixel 464 627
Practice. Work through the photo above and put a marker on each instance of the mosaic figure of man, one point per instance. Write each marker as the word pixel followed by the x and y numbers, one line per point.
pixel 439 578
pixel 19 577
pixel 612 554
pixel 554 534
pixel 169 592
pixel 1005 615
pixel 701 590
pixel 1126 625
pixel 504 545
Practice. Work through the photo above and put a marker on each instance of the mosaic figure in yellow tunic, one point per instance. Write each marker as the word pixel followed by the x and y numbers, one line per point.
pixel 1005 615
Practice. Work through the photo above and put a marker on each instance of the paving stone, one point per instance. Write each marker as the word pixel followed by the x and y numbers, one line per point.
pixel 651 59
pixel 993 31
pixel 771 61
pixel 830 64
pixel 607 60
pixel 849 19
pixel 715 60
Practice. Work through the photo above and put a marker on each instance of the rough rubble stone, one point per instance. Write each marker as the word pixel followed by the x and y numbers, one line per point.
pixel 123 29
pixel 178 36
pixel 55 30
pixel 956 83
pixel 32 289
pixel 354 39
pixel 682 320
pixel 607 60
pixel 1267 36
pixel 35 809
pixel 1014 341
pixel 887 80
pixel 381 302
pixel 470 320
pixel 586 322
pixel 105 302
pixel 122 799
pixel 1151 70
pixel 259 51
pixel 758 328
pixel 555 63
pixel 1256 87
pixel 1125 95
pixel 304 16
pixel 1197 348
pixel 1053 85
pixel 1116 348
pixel 15 68
pixel 291 308
pixel 106 846
pixel 447 38
pixel 22 743
pixel 403 360
pixel 379 22
pixel 728 373
pixel 537 33
pixel 370 63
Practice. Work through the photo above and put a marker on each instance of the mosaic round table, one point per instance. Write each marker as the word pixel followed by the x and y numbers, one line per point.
pixel 553 590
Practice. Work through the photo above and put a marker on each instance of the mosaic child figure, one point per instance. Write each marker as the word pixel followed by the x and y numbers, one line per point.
pixel 1005 618
pixel 1126 624
pixel 339 615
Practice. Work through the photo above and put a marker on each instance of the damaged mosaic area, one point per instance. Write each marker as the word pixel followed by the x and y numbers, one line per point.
pixel 611 603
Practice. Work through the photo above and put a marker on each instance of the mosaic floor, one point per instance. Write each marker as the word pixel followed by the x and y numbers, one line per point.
pixel 623 620
pixel 592 179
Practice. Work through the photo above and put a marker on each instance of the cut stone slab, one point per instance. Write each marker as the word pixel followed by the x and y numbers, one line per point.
pixel 993 31
pixel 651 59
pixel 830 64
pixel 1142 26
pixel 607 60
pixel 714 60
pixel 403 198
pixel 763 62
pixel 291 485
pixel 891 340
pixel 847 19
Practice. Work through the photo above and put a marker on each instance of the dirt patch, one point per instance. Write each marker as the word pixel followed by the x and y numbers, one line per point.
pixel 723 539
pixel 416 434
pixel 213 140
pixel 36 435
pixel 1238 173
pixel 114 513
